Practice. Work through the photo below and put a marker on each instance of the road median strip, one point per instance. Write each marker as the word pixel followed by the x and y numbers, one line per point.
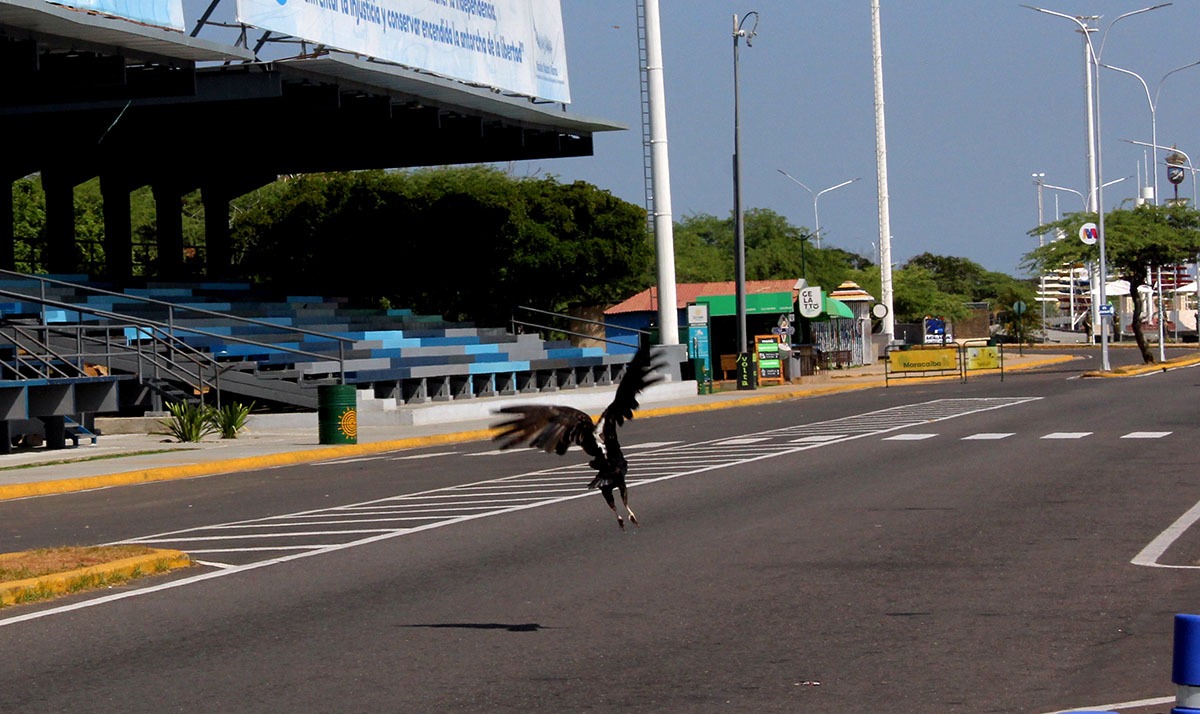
pixel 101 574
pixel 1140 369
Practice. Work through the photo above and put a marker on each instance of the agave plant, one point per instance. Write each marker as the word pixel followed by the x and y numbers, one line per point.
pixel 230 419
pixel 189 422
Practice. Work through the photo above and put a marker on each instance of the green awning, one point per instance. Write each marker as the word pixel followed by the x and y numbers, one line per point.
pixel 756 303
pixel 837 308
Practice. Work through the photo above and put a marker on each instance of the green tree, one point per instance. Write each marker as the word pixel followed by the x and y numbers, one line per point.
pixel 466 243
pixel 775 249
pixel 29 224
pixel 1137 241
pixel 916 293
pixel 703 249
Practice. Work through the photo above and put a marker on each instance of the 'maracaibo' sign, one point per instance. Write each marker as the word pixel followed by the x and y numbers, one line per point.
pixel 923 360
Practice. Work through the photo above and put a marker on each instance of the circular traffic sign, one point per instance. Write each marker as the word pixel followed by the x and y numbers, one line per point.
pixel 1088 233
pixel 1018 307
pixel 879 310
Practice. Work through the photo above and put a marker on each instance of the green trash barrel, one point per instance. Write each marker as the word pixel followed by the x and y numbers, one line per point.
pixel 337 414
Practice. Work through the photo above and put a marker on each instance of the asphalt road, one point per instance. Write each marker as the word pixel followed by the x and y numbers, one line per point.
pixel 923 548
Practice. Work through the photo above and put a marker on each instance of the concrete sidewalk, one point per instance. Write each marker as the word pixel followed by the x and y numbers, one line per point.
pixel 274 440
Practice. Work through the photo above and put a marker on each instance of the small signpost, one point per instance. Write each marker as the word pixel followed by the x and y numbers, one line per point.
pixel 811 301
pixel 745 371
pixel 1018 309
pixel 770 362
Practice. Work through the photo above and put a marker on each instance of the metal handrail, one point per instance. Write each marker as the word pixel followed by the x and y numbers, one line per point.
pixel 573 318
pixel 171 308
pixel 33 348
pixel 141 322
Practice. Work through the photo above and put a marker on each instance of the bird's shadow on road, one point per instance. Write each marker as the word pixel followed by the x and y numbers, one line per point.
pixel 521 627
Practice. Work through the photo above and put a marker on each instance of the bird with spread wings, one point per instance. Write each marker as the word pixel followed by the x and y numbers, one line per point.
pixel 554 428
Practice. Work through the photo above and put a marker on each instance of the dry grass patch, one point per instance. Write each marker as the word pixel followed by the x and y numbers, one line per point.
pixel 48 572
pixel 48 561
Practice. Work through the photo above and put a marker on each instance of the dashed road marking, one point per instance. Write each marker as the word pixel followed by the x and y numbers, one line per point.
pixel 263 542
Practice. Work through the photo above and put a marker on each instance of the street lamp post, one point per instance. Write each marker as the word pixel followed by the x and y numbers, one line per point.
pixel 739 257
pixel 1153 103
pixel 1095 174
pixel 1182 153
pixel 1103 278
pixel 1172 160
pixel 1039 179
pixel 817 197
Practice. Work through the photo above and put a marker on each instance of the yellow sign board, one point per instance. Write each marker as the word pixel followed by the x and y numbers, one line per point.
pixel 983 358
pixel 923 360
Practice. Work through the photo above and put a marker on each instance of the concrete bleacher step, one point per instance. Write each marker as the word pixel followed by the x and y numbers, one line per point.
pixel 397 351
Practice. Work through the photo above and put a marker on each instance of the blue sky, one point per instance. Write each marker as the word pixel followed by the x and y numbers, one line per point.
pixel 979 95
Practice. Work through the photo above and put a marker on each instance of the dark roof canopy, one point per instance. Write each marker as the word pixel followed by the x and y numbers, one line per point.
pixel 87 95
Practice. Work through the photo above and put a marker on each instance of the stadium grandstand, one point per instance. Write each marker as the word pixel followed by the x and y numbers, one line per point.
pixel 225 105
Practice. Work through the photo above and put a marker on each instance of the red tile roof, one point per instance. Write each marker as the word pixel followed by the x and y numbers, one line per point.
pixel 647 300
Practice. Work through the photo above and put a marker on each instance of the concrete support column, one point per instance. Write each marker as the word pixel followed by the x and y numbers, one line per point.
pixel 168 211
pixel 62 254
pixel 118 229
pixel 8 238
pixel 218 250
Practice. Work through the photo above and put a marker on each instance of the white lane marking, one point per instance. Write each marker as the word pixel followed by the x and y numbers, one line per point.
pixel 1067 435
pixel 909 437
pixel 423 456
pixel 871 424
pixel 818 438
pixel 244 536
pixel 1160 701
pixel 1146 435
pixel 1151 553
pixel 650 445
pixel 256 549
pixel 499 452
pixel 339 462
pixel 988 436
pixel 743 441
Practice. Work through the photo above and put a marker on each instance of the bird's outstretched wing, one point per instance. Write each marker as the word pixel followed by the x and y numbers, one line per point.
pixel 555 428
pixel 547 427
pixel 639 374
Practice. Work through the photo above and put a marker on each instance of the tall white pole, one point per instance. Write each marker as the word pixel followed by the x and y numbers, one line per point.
pixel 739 230
pixel 885 229
pixel 1039 179
pixel 1099 271
pixel 664 228
pixel 1090 109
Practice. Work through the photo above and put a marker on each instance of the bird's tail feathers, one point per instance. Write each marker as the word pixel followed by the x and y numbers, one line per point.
pixel 602 481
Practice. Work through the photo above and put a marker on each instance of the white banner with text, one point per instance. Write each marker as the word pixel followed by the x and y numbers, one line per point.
pixel 515 46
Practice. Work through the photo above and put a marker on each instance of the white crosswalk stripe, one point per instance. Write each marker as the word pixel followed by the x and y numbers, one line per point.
pixel 242 544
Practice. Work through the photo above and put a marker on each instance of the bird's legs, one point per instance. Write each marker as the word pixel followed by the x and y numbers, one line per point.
pixel 625 502
pixel 608 496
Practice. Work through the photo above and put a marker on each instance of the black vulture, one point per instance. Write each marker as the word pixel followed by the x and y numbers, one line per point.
pixel 554 428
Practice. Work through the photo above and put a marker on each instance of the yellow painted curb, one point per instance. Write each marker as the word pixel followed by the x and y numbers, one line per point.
pixel 33 589
pixel 249 463
pixel 1138 370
